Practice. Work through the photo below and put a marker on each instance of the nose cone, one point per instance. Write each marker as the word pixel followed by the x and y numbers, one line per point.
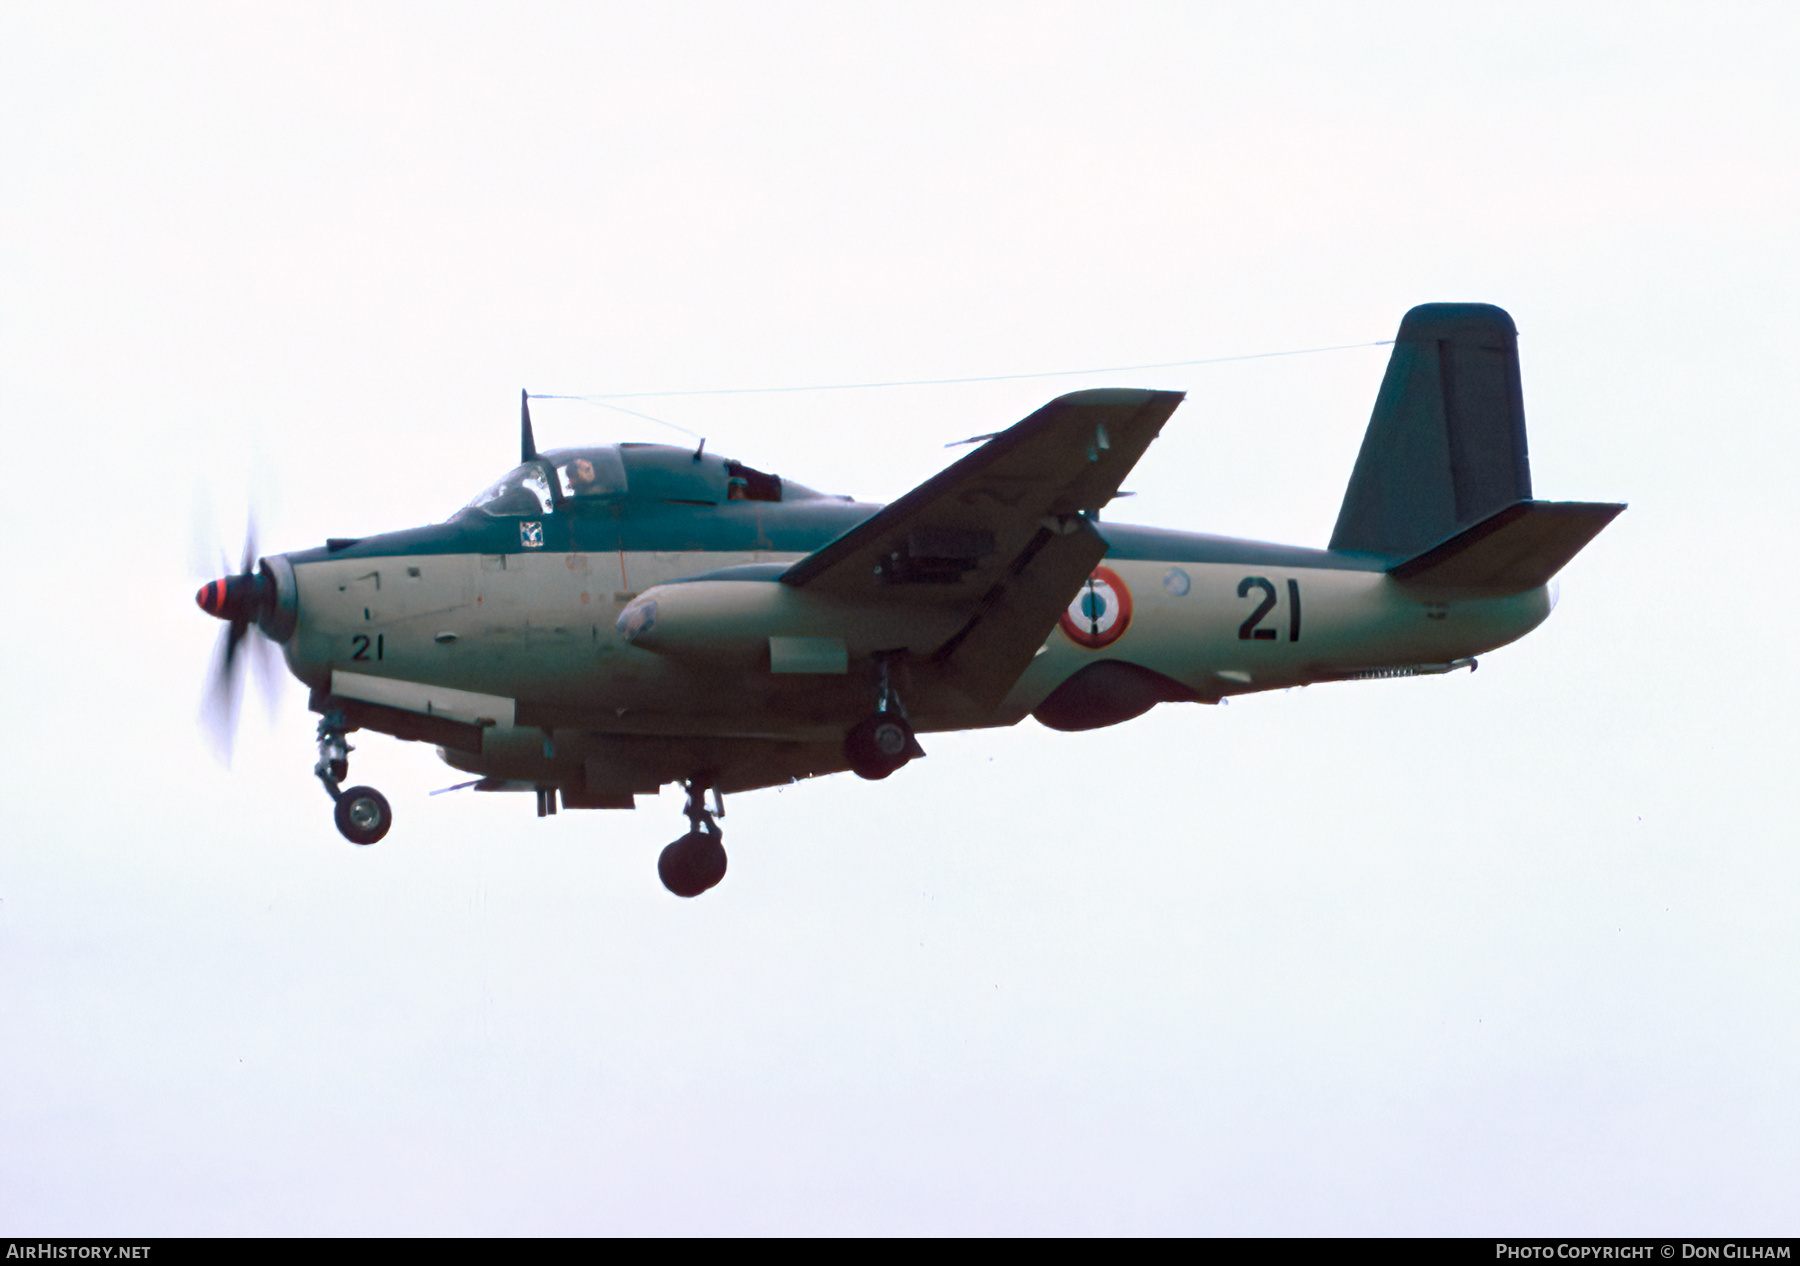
pixel 212 597
pixel 231 597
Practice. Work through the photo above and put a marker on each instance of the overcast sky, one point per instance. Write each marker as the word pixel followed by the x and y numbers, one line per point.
pixel 1490 954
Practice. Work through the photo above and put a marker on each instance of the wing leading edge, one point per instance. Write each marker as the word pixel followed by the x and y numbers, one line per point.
pixel 1000 537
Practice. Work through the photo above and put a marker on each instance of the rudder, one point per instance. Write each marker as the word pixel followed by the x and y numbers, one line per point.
pixel 1445 446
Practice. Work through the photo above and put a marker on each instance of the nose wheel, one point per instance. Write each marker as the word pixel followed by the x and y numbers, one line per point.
pixel 363 814
pixel 696 861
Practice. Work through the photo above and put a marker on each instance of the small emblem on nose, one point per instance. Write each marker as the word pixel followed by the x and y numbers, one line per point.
pixel 531 534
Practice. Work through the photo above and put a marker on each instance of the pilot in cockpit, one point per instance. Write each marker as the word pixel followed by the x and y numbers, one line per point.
pixel 580 478
pixel 594 472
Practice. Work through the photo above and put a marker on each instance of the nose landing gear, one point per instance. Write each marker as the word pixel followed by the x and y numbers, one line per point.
pixel 363 814
pixel 696 861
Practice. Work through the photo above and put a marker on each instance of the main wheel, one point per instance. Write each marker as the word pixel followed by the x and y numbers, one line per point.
pixel 692 864
pixel 363 815
pixel 879 745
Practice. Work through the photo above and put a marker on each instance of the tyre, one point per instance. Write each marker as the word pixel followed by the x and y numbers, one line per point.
pixel 878 746
pixel 692 864
pixel 363 815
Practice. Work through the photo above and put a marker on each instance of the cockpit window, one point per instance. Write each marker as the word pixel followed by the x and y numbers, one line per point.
pixel 579 473
pixel 524 491
pixel 747 484
pixel 588 472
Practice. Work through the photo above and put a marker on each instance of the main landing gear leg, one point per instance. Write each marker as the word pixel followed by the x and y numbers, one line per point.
pixel 696 861
pixel 363 815
pixel 880 744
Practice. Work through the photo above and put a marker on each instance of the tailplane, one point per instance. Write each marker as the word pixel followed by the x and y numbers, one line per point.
pixel 1512 550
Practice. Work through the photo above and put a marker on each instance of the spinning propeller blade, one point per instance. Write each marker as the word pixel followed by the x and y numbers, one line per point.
pixel 239 600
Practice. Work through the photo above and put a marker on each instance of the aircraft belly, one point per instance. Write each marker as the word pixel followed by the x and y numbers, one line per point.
pixel 615 768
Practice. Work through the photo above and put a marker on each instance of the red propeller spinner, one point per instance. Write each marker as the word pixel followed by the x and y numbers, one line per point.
pixel 234 598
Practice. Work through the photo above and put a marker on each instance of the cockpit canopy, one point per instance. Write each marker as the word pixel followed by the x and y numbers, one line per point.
pixel 579 472
pixel 658 473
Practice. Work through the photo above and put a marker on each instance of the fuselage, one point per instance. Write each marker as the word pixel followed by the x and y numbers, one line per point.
pixel 527 612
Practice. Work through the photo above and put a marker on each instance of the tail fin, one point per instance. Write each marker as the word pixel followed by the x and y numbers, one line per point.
pixel 1445 447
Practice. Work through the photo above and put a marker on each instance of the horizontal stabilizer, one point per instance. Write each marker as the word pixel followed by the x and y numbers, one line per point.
pixel 1512 550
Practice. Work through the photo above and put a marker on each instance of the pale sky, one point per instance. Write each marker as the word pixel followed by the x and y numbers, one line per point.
pixel 1497 954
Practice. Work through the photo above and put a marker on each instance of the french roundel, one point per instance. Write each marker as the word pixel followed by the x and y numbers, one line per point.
pixel 1100 613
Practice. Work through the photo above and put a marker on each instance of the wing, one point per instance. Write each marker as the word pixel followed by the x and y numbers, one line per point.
pixel 999 538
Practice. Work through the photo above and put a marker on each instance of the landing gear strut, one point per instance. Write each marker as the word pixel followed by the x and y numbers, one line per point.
pixel 363 814
pixel 696 861
pixel 878 745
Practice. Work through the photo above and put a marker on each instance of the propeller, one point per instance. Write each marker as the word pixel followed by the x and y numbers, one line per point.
pixel 241 600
